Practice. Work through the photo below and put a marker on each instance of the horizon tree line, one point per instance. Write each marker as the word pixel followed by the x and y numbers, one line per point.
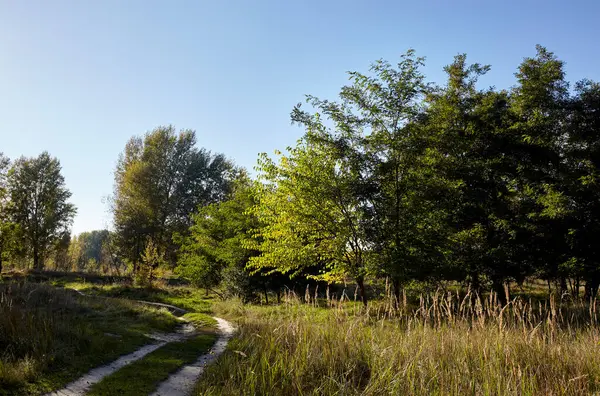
pixel 399 178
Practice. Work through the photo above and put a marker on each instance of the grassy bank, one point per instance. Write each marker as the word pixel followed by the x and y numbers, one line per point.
pixel 188 298
pixel 49 336
pixel 445 345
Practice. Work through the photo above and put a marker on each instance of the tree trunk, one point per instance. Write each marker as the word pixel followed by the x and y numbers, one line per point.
pixel 563 285
pixel 278 296
pixel 396 286
pixel 498 287
pixel 266 296
pixel 36 258
pixel 475 283
pixel 591 288
pixel 0 263
pixel 571 287
pixel 361 286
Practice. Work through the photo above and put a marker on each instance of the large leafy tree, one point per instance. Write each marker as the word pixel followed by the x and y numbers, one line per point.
pixel 310 213
pixel 7 227
pixel 379 120
pixel 160 181
pixel 468 136
pixel 539 107
pixel 583 154
pixel 217 250
pixel 39 204
pixel 360 183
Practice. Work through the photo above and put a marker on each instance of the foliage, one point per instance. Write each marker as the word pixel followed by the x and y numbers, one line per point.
pixel 160 180
pixel 217 253
pixel 151 259
pixel 409 180
pixel 39 204
pixel 7 227
pixel 309 212
pixel 92 251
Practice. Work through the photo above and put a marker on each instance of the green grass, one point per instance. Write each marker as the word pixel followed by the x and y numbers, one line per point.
pixel 188 298
pixel 143 376
pixel 201 321
pixel 445 345
pixel 50 336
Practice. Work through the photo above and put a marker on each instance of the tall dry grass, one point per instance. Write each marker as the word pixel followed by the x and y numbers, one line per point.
pixel 49 336
pixel 444 343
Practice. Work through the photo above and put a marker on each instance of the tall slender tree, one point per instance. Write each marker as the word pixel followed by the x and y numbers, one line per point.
pixel 6 225
pixel 583 158
pixel 39 204
pixel 160 181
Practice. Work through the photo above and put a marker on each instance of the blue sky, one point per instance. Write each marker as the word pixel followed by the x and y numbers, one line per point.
pixel 78 78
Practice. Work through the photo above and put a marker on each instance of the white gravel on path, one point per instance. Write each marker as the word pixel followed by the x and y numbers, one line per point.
pixel 182 382
pixel 83 384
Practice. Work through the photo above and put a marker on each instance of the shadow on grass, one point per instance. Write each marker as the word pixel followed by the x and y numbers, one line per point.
pixel 143 376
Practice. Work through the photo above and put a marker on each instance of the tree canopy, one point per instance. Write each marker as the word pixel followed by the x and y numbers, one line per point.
pixel 39 204
pixel 160 181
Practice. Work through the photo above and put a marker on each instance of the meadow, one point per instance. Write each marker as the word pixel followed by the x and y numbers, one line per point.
pixel 51 334
pixel 448 341
pixel 443 343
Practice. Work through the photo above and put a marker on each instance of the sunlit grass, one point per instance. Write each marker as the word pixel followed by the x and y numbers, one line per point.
pixel 50 336
pixel 142 376
pixel 190 299
pixel 445 345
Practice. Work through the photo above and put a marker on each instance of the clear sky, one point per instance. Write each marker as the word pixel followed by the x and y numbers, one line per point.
pixel 79 77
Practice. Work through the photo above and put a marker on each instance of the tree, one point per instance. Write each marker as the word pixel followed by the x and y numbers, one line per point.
pixel 372 189
pixel 151 259
pixel 539 107
pixel 88 250
pixel 217 250
pixel 160 181
pixel 61 259
pixel 7 227
pixel 583 155
pixel 378 124
pixel 468 136
pixel 309 211
pixel 39 204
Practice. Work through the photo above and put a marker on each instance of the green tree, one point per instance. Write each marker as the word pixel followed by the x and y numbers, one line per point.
pixel 7 227
pixel 160 181
pixel 379 131
pixel 310 213
pixel 539 105
pixel 583 154
pixel 39 204
pixel 151 259
pixel 468 135
pixel 217 250
pixel 61 258
pixel 88 250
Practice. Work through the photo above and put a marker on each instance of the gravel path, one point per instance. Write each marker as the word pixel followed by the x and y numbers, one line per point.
pixel 83 384
pixel 182 382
